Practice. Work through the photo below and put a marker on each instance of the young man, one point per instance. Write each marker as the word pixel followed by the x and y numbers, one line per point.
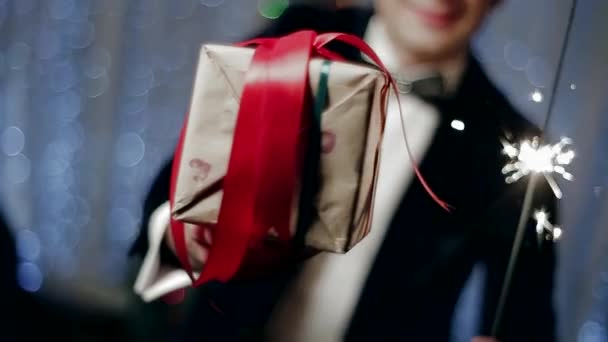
pixel 403 281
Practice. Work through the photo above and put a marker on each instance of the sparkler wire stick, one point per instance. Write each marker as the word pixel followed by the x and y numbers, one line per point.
pixel 527 205
pixel 519 236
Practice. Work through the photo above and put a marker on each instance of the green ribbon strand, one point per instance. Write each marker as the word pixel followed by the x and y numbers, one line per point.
pixel 310 174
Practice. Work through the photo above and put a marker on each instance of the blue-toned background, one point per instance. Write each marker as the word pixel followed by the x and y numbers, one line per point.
pixel 92 94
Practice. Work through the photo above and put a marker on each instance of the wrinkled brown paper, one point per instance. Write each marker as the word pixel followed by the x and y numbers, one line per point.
pixel 351 132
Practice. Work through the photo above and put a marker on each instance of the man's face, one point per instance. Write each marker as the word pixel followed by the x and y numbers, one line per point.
pixel 432 28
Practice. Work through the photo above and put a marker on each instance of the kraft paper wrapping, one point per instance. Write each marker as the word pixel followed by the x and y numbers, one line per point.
pixel 351 128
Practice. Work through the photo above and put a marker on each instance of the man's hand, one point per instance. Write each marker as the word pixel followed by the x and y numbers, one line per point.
pixel 484 339
pixel 198 240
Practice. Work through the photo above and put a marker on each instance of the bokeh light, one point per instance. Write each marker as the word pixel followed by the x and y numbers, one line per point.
pixel 81 35
pixel 130 149
pixel 12 141
pixel 272 9
pixel 19 55
pixel 122 225
pixel 140 80
pixel 97 62
pixel 135 104
pixel 538 72
pixel 2 63
pixel 182 9
pixel 67 105
pixel 536 96
pixel 135 122
pixel 28 245
pixel 48 44
pixel 29 276
pixel 63 76
pixel 76 210
pixel 60 9
pixel 61 182
pixel 17 169
pixel 2 14
pixel 592 331
pixel 516 54
pixel 83 8
pixel 211 3
pixel 97 86
pixel 73 135
pixel 457 125
pixel 23 7
pixel 57 158
pixel 141 19
pixel 50 237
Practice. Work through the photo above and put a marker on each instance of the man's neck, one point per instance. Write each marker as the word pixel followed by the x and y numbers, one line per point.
pixel 413 66
pixel 407 59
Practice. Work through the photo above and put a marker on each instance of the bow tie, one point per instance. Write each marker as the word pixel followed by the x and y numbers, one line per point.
pixel 429 87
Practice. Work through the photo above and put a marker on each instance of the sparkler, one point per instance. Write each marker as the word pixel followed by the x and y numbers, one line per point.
pixel 543 224
pixel 558 158
pixel 530 156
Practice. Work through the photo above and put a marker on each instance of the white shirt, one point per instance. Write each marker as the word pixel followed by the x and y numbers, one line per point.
pixel 322 299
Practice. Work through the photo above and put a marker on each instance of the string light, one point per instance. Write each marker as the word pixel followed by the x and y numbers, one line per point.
pixel 530 156
pixel 543 224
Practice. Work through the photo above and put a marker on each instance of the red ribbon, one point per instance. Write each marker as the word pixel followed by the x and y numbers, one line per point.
pixel 268 150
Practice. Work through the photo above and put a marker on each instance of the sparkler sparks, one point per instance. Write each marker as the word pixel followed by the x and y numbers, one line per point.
pixel 530 156
pixel 543 224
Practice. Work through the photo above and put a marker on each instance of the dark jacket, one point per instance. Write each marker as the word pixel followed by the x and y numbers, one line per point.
pixel 8 259
pixel 428 254
pixel 9 290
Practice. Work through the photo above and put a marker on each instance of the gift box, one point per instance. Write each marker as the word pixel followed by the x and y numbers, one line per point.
pixel 242 142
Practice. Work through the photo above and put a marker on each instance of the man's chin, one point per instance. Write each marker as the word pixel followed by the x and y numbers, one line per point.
pixel 431 49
